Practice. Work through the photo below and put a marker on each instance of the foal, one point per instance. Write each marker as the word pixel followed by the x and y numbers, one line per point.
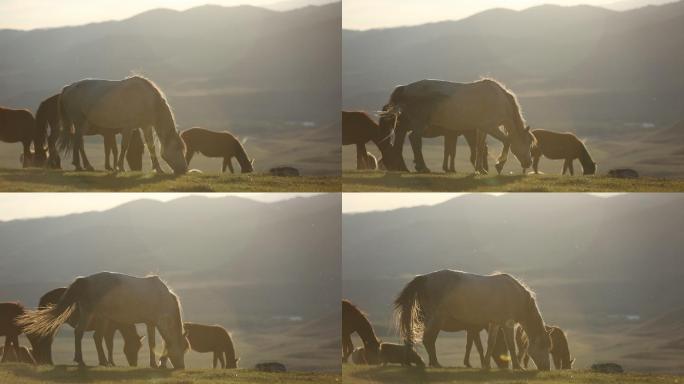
pixel 557 146
pixel 216 144
pixel 210 338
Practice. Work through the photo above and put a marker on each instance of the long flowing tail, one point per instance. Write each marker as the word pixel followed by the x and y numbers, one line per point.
pixel 408 316
pixel 44 322
pixel 66 135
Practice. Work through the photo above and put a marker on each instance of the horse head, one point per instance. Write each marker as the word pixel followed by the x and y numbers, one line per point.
pixel 539 349
pixel 173 152
pixel 521 143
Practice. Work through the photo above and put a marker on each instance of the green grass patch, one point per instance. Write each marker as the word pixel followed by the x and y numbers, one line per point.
pixel 397 375
pixel 41 180
pixel 377 181
pixel 25 374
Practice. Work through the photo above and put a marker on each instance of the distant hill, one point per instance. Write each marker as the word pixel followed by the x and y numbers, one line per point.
pixel 578 66
pixel 271 76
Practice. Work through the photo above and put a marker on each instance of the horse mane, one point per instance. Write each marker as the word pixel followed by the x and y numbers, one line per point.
pixel 531 310
pixel 585 158
pixel 510 95
pixel 163 105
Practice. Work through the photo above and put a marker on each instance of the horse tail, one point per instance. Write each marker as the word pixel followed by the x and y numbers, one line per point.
pixel 45 321
pixel 588 164
pixel 408 315
pixel 66 136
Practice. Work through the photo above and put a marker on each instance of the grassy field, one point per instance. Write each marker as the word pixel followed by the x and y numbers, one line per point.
pixel 39 180
pixel 24 374
pixel 395 374
pixel 378 181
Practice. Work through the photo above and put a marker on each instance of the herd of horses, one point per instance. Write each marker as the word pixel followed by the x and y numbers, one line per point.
pixel 133 107
pixel 435 108
pixel 107 302
pixel 454 301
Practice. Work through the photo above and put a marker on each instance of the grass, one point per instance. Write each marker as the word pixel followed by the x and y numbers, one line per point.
pixel 396 375
pixel 378 181
pixel 25 374
pixel 41 180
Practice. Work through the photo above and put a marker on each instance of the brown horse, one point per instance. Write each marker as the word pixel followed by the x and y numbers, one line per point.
pixel 42 345
pixel 210 338
pixel 9 313
pixel 46 153
pixel 499 300
pixel 18 355
pixel 358 129
pixel 354 320
pixel 400 354
pixel 216 144
pixel 560 351
pixel 18 126
pixel 561 146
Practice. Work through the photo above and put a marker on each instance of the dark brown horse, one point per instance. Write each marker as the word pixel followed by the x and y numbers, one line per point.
pixel 560 351
pixel 9 312
pixel 216 144
pixel 354 320
pixel 210 338
pixel 358 129
pixel 561 146
pixel 46 153
pixel 18 126
pixel 42 345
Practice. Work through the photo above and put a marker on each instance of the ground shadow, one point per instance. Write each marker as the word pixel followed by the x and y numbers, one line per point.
pixel 74 374
pixel 432 182
pixel 420 375
pixel 96 180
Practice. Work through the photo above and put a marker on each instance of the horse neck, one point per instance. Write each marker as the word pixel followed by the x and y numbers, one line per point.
pixel 366 332
pixel 584 157
pixel 241 156
pixel 165 124
pixel 532 322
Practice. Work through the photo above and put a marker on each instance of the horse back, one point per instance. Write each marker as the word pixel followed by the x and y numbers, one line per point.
pixel 557 145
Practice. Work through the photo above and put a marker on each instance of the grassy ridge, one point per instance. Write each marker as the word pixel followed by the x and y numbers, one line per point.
pixel 396 375
pixel 25 374
pixel 377 181
pixel 40 180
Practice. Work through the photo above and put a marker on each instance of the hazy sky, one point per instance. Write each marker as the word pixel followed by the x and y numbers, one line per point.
pixel 367 14
pixel 365 202
pixel 33 205
pixel 30 14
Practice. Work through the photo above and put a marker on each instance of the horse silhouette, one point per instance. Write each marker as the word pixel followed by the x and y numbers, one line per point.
pixel 354 320
pixel 561 146
pixel 210 338
pixel 115 297
pixel 18 126
pixel 560 351
pixel 216 144
pixel 358 129
pixel 9 313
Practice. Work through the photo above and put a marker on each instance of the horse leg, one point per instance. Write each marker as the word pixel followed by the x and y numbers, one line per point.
pixel 227 163
pixel 480 350
pixel 509 335
pixel 361 156
pixel 535 164
pixel 429 340
pixel 215 360
pixel 470 335
pixel 188 156
pixel 480 138
pixel 80 143
pixel 126 136
pixel 109 343
pixel 417 146
pixel 110 148
pixel 78 338
pixel 151 333
pixel 452 152
pixel 221 359
pixel 27 155
pixel 97 338
pixel 347 347
pixel 148 133
pixel 492 331
pixel 565 166
pixel 397 151
pixel 449 152
pixel 572 168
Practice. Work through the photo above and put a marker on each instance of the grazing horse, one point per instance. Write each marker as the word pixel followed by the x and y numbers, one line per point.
pixel 400 354
pixel 42 345
pixel 482 106
pixel 124 105
pixel 115 297
pixel 561 146
pixel 18 126
pixel 210 338
pixel 9 313
pixel 560 352
pixel 354 320
pixel 46 151
pixel 216 144
pixel 450 141
pixel 19 355
pixel 499 300
pixel 358 129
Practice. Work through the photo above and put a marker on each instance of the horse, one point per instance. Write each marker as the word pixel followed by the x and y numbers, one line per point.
pixel 128 104
pixel 557 146
pixel 560 352
pixel 210 338
pixel 216 144
pixel 9 313
pixel 18 126
pixel 115 297
pixel 450 142
pixel 19 355
pixel 482 106
pixel 472 337
pixel 354 320
pixel 42 345
pixel 399 354
pixel 46 152
pixel 499 300
pixel 358 129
